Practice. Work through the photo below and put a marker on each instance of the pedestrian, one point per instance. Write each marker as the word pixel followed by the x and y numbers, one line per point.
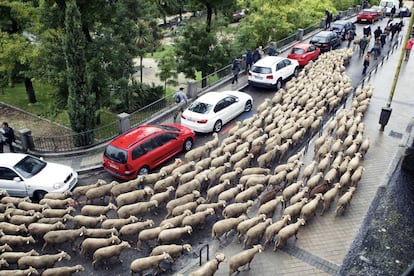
pixel 272 51
pixel 376 49
pixel 350 35
pixel 366 63
pixel 7 137
pixel 400 25
pixel 235 69
pixel 363 45
pixel 365 4
pixel 377 33
pixel 392 13
pixel 181 102
pixel 328 19
pixel 249 59
pixel 256 55
pixel 394 29
pixel 383 38
pixel 408 48
pixel 261 52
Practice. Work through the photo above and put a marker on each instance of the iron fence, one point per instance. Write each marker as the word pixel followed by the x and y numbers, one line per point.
pixel 139 116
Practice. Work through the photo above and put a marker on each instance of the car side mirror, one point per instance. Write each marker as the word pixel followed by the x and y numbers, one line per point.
pixel 17 179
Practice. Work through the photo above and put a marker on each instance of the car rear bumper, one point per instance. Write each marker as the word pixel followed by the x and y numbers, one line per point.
pixel 261 84
pixel 201 128
pixel 118 175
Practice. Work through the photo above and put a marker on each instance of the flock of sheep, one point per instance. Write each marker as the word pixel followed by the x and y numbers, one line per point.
pixel 224 182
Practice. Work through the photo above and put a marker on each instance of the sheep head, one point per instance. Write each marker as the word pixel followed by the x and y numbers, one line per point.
pixel 258 247
pixel 189 229
pixel 63 256
pixel 220 257
pixel 196 194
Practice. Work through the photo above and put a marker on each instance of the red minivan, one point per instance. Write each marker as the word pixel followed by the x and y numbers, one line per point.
pixel 141 149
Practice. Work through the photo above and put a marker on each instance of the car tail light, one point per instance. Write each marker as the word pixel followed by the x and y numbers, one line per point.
pixel 182 116
pixel 325 45
pixel 203 121
pixel 250 73
pixel 269 77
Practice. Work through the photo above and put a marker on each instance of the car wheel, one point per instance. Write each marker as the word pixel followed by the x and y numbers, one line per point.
pixel 39 195
pixel 188 144
pixel 296 72
pixel 143 171
pixel 278 84
pixel 217 126
pixel 248 106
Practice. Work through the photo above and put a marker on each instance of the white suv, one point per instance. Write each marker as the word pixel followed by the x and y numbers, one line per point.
pixel 271 71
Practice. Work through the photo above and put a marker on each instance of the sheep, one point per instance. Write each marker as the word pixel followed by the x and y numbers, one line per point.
pixel 57 203
pixel 299 195
pixel 364 147
pixel 277 179
pixel 243 258
pixel 171 180
pixel 63 195
pixel 61 236
pixel 219 161
pixel 162 196
pixel 204 163
pixel 173 234
pixel 236 209
pixel 293 175
pixel 26 206
pixel 250 193
pixel 252 181
pixel 133 196
pixel 239 155
pixel 308 171
pixel 50 213
pixel 135 228
pixel 150 179
pixel 5 248
pixel 356 176
pixel 42 228
pixel 245 225
pixel 19 272
pixel 177 220
pixel 15 241
pixel 167 169
pixel 3 263
pixel 310 207
pixel 215 190
pixel 283 148
pixel 101 233
pixel 230 176
pixel 256 232
pixel 270 195
pixel 95 210
pixel 63 270
pixel 294 210
pixel 331 175
pixel 214 174
pixel 222 227
pixel 202 176
pixel 213 143
pixel 234 129
pixel 151 234
pixel 321 188
pixel 214 205
pixel 274 228
pixel 352 149
pixel 329 196
pixel 343 167
pixel 42 261
pixel 81 190
pixel 282 167
pixel 188 206
pixel 14 200
pixel 13 229
pixel 135 209
pixel 243 180
pixel 87 221
pixel 92 244
pixel 269 207
pixel 180 201
pixel 13 257
pixel 290 191
pixel 229 194
pixel 218 151
pixel 210 267
pixel 288 231
pixel 109 251
pixel 100 192
pixel 23 219
pixel 264 160
pixel 118 223
pixel 173 249
pixel 125 187
pixel 197 218
pixel 338 160
pixel 324 163
pixel 187 188
pixel 314 180
pixel 145 263
pixel 188 176
pixel 195 154
pixel 244 162
pixel 344 201
pixel 52 220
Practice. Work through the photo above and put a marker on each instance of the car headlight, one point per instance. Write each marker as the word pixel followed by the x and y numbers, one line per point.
pixel 58 185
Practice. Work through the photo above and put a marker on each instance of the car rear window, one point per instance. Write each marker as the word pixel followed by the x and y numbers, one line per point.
pixel 200 107
pixel 261 70
pixel 116 154
pixel 320 39
pixel 298 51
pixel 29 166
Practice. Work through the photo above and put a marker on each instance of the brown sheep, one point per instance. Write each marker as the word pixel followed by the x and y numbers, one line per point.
pixel 270 195
pixel 274 228
pixel 91 244
pixel 13 257
pixel 170 235
pixel 43 261
pixel 288 231
pixel 222 227
pixel 63 270
pixel 256 232
pixel 145 263
pixel 62 236
pixel 118 223
pixel 136 227
pixel 42 228
pixel 210 267
pixel 95 210
pixel 243 258
pixel 109 251
pixel 320 189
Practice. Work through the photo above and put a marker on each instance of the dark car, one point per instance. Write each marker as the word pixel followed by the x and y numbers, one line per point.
pixel 405 12
pixel 326 40
pixel 341 27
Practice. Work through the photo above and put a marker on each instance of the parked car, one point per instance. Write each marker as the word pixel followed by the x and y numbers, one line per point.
pixel 368 15
pixel 304 52
pixel 341 27
pixel 388 4
pixel 212 110
pixel 25 175
pixel 326 40
pixel 380 10
pixel 271 71
pixel 405 12
pixel 141 149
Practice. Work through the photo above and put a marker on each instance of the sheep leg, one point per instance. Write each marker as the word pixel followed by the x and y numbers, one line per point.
pixel 44 246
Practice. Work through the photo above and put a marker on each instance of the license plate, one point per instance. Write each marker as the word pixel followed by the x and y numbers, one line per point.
pixel 258 77
pixel 363 20
pixel 113 166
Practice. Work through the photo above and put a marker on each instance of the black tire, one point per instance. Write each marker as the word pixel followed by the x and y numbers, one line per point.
pixel 278 84
pixel 144 170
pixel 217 126
pixel 248 106
pixel 188 144
pixel 39 195
pixel 296 72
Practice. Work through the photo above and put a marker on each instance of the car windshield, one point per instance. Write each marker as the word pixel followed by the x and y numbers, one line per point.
pixel 200 107
pixel 298 51
pixel 261 70
pixel 29 166
pixel 116 154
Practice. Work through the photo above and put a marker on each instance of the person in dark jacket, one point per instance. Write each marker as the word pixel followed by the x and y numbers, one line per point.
pixel 7 137
pixel 249 59
pixel 256 55
pixel 363 43
pixel 235 69
pixel 366 63
pixel 377 33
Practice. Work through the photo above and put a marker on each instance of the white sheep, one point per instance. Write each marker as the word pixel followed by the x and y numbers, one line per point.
pixel 43 261
pixel 294 210
pixel 224 226
pixel 38 207
pixel 173 234
pixel 100 192
pixel 274 228
pixel 310 208
pixel 150 234
pixel 188 176
pixel 288 231
pixel 87 221
pixel 177 220
pixel 117 223
pixel 329 196
pixel 92 244
pixel 197 218
pixel 162 184
pixel 216 206
pixel 236 209
pixel 162 197
pixel 308 171
pixel 5 248
pixel 219 161
pixel 125 187
pixel 167 169
pixel 173 249
pixel 216 190
pixel 229 194
pixel 250 193
pixel 230 176
pixel 210 267
pixel 136 209
pixel 12 257
pixel 357 175
pixel 108 252
pixel 244 162
pixel 269 207
pixel 344 201
pixel 151 262
pixel 180 201
pixel 314 180
pixel 246 224
pixel 63 270
pixel 291 190
pixel 101 233
pixel 255 170
pixel 186 167
pixel 196 154
pixel 15 241
pixel 188 206
pixel 81 190
pixel 256 232
pixel 13 229
pixel 50 213
pixel 299 195
pixel 42 228
pixel 243 258
pixel 61 236
pixel 135 228
pixel 204 163
pixel 253 181
pixel 187 188
pixel 96 210
pixel 19 272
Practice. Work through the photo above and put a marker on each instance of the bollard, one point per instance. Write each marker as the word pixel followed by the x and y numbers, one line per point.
pixel 201 251
pixel 124 122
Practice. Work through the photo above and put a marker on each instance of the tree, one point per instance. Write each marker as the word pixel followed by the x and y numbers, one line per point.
pixel 81 102
pixel 167 66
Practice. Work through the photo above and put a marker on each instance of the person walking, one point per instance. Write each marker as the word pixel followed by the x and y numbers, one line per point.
pixel 366 63
pixel 328 19
pixel 408 48
pixel 363 43
pixel 249 59
pixel 383 38
pixel 235 69
pixel 377 33
pixel 181 101
pixel 350 35
pixel 392 13
pixel 256 55
pixel 272 51
pixel 8 137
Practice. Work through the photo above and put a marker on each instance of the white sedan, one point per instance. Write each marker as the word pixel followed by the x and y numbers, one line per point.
pixel 25 175
pixel 212 110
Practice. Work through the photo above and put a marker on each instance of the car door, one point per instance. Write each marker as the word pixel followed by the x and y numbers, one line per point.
pixel 166 145
pixel 311 53
pixel 12 182
pixel 231 108
pixel 289 68
pixel 335 40
pixel 221 111
pixel 281 70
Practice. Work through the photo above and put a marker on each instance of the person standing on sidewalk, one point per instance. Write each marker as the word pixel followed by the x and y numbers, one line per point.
pixel 7 137
pixel 408 48
pixel 181 101
pixel 249 59
pixel 366 63
pixel 235 69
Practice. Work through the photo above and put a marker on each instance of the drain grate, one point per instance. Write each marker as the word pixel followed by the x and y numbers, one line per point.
pixel 395 134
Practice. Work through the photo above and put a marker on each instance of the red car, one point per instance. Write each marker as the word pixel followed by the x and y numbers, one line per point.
pixel 368 15
pixel 304 52
pixel 140 150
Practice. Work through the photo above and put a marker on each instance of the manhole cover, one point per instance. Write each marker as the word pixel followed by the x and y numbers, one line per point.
pixel 395 134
